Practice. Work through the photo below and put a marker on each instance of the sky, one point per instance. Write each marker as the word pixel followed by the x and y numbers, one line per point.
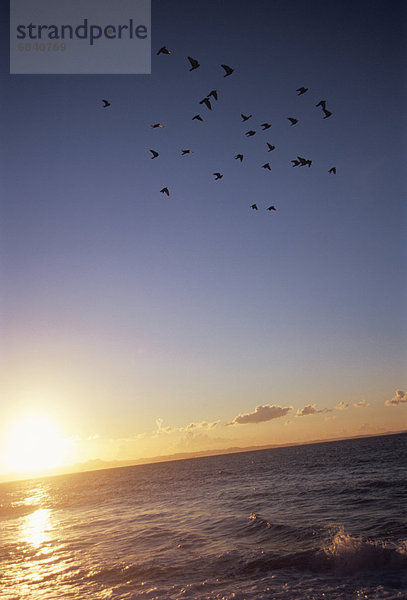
pixel 145 325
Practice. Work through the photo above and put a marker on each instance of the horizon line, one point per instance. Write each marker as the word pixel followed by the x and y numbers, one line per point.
pixel 178 456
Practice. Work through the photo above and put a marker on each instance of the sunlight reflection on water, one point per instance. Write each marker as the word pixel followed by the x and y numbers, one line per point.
pixel 36 527
pixel 38 560
pixel 37 495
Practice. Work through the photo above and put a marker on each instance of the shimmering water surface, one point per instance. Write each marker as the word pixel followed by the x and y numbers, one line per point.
pixel 324 521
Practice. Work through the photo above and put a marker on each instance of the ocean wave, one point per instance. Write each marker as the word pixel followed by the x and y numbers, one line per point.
pixel 382 484
pixel 350 554
pixel 262 528
pixel 15 511
pixel 275 534
pixel 343 554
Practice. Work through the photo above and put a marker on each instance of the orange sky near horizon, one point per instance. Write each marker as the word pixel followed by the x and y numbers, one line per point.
pixel 42 443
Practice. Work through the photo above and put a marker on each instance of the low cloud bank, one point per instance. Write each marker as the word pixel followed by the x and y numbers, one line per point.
pixel 261 414
pixel 362 404
pixel 311 409
pixel 399 398
pixel 202 426
pixel 341 405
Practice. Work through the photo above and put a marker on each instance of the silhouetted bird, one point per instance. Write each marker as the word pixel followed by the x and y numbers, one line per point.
pixel 228 70
pixel 106 103
pixel 266 166
pixel 296 163
pixel 327 113
pixel 265 126
pixel 197 117
pixel 244 117
pixel 293 121
pixel 194 63
pixel 301 91
pixel 214 94
pixel 270 147
pixel 303 161
pixel 165 191
pixel 239 157
pixel 157 125
pixel 163 50
pixel 186 152
pixel 154 153
pixel 322 103
pixel 333 170
pixel 218 176
pixel 207 103
pixel 250 133
pixel 254 207
pixel 271 208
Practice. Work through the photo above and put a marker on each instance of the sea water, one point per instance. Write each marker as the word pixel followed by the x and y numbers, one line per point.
pixel 322 521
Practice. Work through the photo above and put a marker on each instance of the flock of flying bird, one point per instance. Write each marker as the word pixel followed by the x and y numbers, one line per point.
pixel 213 96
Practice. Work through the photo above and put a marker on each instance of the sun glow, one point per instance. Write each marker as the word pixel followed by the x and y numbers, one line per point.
pixel 34 443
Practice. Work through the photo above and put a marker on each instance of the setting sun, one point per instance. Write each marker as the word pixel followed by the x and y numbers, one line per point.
pixel 34 443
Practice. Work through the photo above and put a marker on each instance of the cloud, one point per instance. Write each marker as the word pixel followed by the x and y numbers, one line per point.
pixel 399 398
pixel 202 425
pixel 160 429
pixel 342 405
pixel 261 414
pixel 361 404
pixel 311 410
pixel 191 428
pixel 307 410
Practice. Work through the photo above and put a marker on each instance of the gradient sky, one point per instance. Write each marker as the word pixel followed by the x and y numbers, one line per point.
pixel 127 316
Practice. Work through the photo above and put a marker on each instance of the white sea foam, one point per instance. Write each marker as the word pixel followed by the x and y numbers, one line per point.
pixel 349 554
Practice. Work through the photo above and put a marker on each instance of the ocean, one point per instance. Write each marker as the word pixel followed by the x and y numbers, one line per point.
pixel 325 521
